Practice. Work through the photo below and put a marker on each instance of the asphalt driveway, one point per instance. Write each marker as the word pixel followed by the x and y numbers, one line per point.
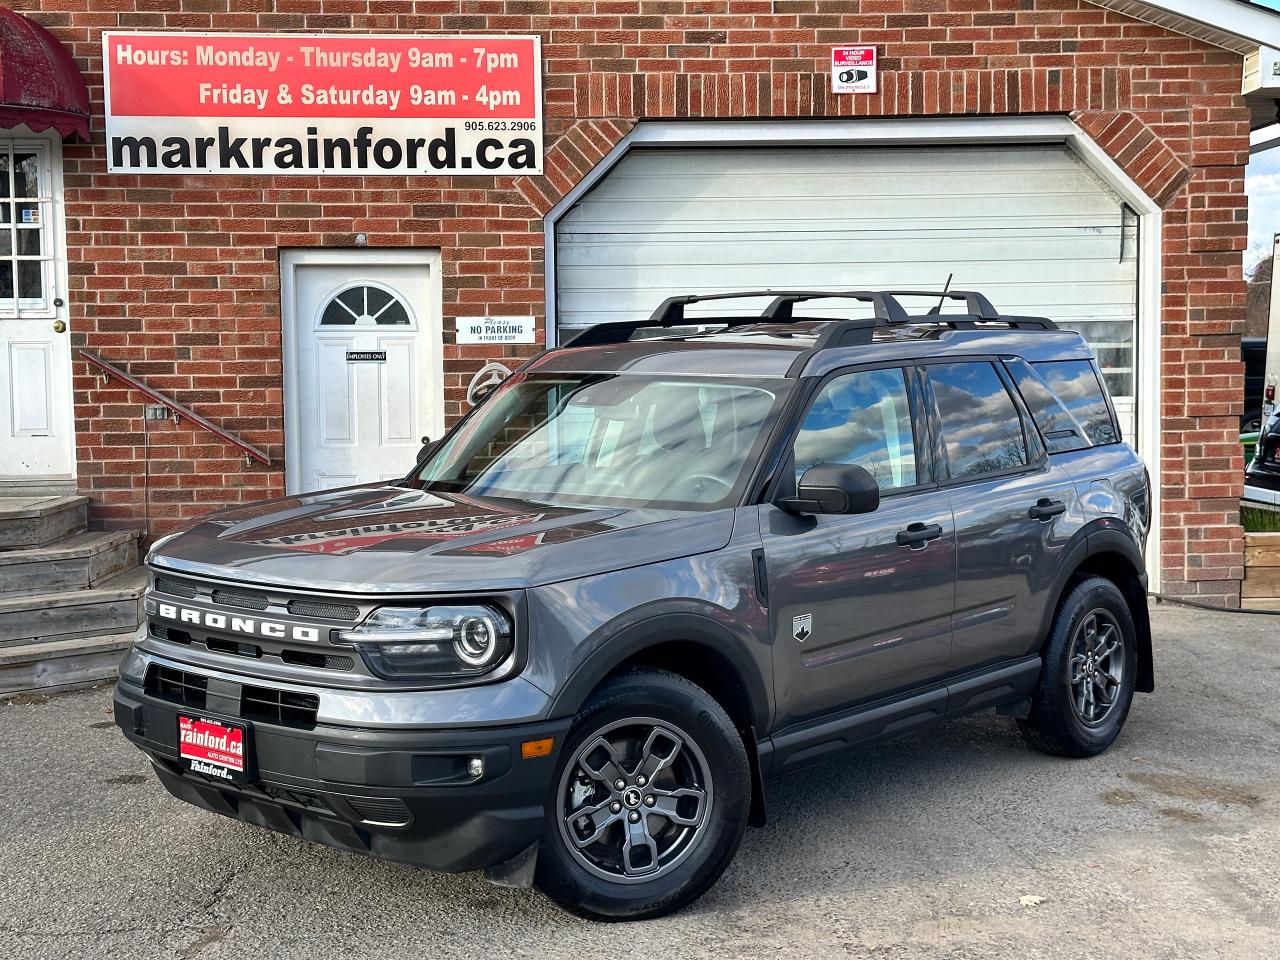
pixel 959 843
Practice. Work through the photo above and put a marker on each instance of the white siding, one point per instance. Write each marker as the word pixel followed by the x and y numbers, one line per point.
pixel 1029 226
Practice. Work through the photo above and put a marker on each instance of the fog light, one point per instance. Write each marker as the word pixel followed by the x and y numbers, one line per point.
pixel 475 767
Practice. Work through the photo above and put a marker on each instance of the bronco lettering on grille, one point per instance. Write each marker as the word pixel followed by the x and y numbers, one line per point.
pixel 253 626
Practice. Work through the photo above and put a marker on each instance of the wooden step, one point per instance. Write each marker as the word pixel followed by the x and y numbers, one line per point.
pixel 113 606
pixel 77 563
pixel 57 664
pixel 36 521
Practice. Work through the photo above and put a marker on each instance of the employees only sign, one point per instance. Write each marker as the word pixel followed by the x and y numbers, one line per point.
pixel 233 103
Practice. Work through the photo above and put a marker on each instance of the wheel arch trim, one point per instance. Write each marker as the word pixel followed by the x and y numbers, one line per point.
pixel 1096 541
pixel 616 647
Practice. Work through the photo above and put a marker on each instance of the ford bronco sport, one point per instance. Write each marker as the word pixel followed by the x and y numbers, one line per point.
pixel 653 569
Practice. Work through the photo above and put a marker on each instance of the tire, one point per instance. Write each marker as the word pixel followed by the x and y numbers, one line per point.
pixel 641 715
pixel 1063 721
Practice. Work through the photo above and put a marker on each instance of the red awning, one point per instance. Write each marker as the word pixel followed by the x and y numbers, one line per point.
pixel 40 85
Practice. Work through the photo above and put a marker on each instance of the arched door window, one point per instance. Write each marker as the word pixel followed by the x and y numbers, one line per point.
pixel 365 304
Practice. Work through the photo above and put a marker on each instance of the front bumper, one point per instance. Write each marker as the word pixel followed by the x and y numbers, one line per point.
pixel 401 794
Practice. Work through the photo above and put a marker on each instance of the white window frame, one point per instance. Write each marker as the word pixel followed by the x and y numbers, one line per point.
pixel 49 207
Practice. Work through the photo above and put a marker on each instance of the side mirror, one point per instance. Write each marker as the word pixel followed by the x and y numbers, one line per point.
pixel 834 488
pixel 428 448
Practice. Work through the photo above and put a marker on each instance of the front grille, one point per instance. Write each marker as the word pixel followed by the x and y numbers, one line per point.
pixel 237 598
pixel 177 686
pixel 324 611
pixel 235 638
pixel 170 634
pixel 283 708
pixel 175 587
pixel 388 810
pixel 234 647
pixel 324 661
pixel 239 648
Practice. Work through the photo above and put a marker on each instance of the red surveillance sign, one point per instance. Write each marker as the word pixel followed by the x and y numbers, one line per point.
pixel 853 70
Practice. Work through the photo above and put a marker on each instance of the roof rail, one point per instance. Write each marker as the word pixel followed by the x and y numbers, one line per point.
pixel 885 307
pixel 614 331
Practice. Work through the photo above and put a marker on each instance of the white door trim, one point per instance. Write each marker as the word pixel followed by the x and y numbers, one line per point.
pixel 58 308
pixel 923 132
pixel 433 345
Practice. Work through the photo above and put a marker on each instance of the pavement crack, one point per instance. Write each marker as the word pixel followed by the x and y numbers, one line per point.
pixel 220 890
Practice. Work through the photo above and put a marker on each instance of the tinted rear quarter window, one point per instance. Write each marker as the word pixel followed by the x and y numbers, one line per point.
pixel 1062 432
pixel 1076 386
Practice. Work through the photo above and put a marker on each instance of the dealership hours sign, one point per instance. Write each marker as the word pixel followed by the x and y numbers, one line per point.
pixel 234 103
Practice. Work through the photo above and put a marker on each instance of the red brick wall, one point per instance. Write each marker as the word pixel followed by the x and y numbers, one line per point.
pixel 181 272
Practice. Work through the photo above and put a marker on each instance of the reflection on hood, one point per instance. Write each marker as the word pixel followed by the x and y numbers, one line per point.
pixel 384 539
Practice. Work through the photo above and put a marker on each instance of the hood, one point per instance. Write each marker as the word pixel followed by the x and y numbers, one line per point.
pixel 388 540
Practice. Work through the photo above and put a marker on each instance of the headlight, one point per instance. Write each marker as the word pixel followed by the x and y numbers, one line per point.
pixel 439 641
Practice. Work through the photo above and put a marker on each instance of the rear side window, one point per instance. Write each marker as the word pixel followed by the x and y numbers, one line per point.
pixel 1076 386
pixel 981 426
pixel 1062 432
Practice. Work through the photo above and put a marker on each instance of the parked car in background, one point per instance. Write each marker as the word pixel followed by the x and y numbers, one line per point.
pixel 1262 471
pixel 653 569
pixel 1253 351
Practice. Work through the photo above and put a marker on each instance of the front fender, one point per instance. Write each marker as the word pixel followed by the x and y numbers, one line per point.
pixel 616 643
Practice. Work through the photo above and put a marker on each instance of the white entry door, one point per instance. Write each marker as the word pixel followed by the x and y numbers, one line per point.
pixel 363 363
pixel 37 439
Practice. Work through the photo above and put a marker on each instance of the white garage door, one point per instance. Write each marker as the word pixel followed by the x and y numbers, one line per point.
pixel 1031 226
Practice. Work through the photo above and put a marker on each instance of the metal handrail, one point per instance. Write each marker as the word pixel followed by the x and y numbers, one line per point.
pixel 179 411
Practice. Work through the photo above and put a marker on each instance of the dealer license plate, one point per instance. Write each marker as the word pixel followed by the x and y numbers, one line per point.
pixel 214 748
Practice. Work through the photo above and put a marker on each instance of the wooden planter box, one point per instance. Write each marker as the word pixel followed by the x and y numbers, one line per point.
pixel 1261 587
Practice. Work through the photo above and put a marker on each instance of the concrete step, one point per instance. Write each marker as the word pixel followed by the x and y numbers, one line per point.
pixel 36 521
pixel 59 664
pixel 113 606
pixel 76 563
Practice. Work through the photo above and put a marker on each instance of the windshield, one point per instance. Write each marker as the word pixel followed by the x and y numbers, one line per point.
pixel 610 440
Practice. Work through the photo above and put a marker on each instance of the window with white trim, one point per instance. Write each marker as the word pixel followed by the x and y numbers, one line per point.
pixel 26 234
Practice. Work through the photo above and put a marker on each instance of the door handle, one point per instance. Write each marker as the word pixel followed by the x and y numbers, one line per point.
pixel 1046 509
pixel 59 326
pixel 918 535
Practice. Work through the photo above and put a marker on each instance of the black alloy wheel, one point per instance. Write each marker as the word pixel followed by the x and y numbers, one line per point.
pixel 1086 684
pixel 649 801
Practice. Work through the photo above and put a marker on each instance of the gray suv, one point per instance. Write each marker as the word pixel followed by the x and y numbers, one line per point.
pixel 652 570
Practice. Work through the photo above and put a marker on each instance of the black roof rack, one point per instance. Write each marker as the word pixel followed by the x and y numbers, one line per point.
pixel 974 302
pixel 671 312
pixel 885 307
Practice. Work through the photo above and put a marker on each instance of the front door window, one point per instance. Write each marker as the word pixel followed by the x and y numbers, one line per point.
pixel 862 418
pixel 26 244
